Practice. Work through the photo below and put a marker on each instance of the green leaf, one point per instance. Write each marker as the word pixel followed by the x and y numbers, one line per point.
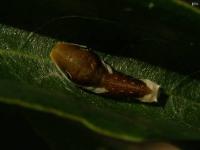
pixel 29 79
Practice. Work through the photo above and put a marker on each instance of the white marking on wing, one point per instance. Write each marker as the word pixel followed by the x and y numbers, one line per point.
pixel 153 96
pixel 107 67
pixel 97 90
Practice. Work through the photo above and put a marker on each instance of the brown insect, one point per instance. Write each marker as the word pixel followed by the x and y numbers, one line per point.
pixel 88 71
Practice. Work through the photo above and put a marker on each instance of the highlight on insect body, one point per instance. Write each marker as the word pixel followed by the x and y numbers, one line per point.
pixel 86 70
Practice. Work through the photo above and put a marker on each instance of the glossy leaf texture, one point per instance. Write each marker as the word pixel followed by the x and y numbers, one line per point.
pixel 29 79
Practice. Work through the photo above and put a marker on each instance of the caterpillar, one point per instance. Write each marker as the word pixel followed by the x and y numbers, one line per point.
pixel 88 71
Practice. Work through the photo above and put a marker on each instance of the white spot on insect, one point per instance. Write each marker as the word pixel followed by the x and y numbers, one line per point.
pixel 153 96
pixel 97 90
pixel 81 46
pixel 71 59
pixel 110 71
pixel 92 66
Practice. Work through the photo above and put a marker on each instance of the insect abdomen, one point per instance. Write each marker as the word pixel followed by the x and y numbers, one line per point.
pixel 122 85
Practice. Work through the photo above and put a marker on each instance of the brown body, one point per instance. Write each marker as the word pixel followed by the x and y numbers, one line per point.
pixel 122 85
pixel 82 67
pixel 87 70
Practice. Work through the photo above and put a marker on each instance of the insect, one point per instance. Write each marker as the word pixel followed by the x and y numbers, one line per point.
pixel 85 69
